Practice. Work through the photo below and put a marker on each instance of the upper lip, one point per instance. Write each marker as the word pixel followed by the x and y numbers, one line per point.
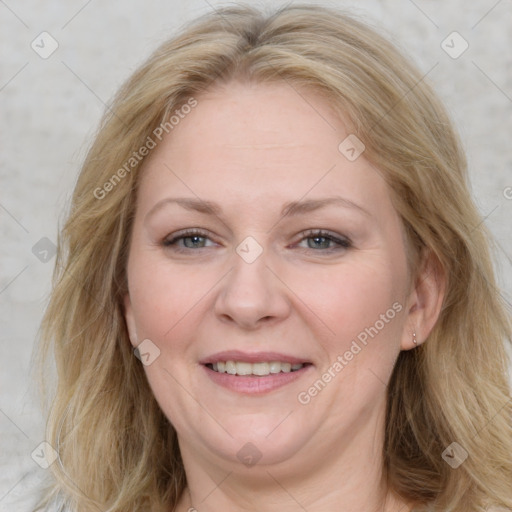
pixel 251 357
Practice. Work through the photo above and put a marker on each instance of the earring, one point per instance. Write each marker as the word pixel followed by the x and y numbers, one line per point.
pixel 414 340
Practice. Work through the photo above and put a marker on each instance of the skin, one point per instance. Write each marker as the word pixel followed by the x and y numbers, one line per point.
pixel 251 148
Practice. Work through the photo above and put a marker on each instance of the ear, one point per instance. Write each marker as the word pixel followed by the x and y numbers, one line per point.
pixel 130 320
pixel 425 301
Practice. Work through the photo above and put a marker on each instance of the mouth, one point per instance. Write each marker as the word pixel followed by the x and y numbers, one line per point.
pixel 254 373
pixel 258 369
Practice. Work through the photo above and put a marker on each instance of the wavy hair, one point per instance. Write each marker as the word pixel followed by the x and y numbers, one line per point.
pixel 117 450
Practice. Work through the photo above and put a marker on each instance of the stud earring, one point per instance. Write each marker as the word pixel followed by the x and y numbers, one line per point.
pixel 414 340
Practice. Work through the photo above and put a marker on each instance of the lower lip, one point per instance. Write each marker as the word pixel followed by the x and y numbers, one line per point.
pixel 251 385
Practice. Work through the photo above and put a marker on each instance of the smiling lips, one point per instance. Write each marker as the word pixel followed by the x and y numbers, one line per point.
pixel 254 373
pixel 259 369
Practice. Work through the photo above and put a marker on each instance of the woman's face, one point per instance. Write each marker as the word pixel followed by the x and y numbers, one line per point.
pixel 255 171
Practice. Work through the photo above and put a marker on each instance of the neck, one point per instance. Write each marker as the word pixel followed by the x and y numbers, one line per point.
pixel 388 502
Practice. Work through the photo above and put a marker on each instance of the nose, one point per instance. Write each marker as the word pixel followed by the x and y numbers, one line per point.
pixel 251 295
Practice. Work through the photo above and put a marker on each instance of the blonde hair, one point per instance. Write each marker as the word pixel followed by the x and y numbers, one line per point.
pixel 117 450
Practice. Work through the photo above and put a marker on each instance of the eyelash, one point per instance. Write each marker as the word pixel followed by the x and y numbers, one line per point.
pixel 343 243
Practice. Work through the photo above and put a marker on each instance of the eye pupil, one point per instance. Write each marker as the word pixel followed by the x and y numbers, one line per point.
pixel 195 239
pixel 318 238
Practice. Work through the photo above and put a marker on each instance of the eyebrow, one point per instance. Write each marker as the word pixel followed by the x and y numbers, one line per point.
pixel 289 209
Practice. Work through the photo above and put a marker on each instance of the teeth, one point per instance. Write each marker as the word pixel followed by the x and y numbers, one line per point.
pixel 243 368
pixel 286 367
pixel 231 367
pixel 260 369
pixel 275 367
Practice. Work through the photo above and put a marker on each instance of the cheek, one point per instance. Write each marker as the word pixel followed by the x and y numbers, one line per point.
pixel 362 304
pixel 166 301
pixel 165 295
pixel 352 296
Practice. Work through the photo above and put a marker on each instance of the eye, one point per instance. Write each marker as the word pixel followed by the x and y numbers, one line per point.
pixel 323 240
pixel 192 239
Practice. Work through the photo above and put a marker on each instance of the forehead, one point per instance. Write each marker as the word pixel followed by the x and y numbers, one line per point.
pixel 260 141
pixel 266 115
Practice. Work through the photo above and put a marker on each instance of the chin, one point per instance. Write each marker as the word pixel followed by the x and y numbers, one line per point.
pixel 256 440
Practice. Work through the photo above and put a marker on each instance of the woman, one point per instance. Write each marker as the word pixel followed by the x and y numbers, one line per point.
pixel 273 291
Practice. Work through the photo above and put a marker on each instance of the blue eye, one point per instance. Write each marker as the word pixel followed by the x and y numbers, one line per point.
pixel 197 239
pixel 323 240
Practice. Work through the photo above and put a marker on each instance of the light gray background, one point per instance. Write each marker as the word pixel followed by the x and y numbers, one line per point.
pixel 51 108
